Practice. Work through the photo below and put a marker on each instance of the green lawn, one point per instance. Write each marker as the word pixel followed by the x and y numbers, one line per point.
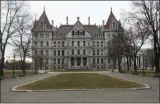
pixel 80 81
pixel 9 73
pixel 76 70
pixel 148 73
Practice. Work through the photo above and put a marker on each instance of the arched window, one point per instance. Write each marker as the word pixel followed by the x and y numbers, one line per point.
pixel 47 43
pixel 114 25
pixel 72 33
pixel 62 52
pixel 78 33
pixel 84 52
pixel 41 52
pixel 101 43
pixel 108 43
pixel 78 52
pixel 72 43
pixel 97 43
pixel 62 44
pixel 58 52
pixel 83 33
pixel 72 52
pixel 93 43
pixel 47 61
pixel 41 43
pixel 46 52
pixel 93 52
pixel 54 44
pixel 84 43
pixel 97 52
pixel 35 43
pixel 78 43
pixel 35 52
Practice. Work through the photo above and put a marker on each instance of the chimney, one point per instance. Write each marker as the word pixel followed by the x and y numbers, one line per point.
pixel 88 20
pixel 103 22
pixel 52 23
pixel 67 20
pixel 77 18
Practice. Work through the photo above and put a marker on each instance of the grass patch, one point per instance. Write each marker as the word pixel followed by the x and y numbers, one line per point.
pixel 80 81
pixel 76 70
pixel 9 73
pixel 148 73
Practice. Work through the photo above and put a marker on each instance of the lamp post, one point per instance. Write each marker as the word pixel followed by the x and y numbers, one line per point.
pixel 14 65
pixel 143 65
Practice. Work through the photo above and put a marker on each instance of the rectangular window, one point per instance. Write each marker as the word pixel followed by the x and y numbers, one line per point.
pixel 93 52
pixel 46 52
pixel 41 52
pixel 62 44
pixel 54 61
pixel 93 60
pixel 62 61
pixel 54 52
pixel 97 52
pixel 58 61
pixel 54 44
pixel 35 52
pixel 58 52
pixel 102 60
pixel 62 52
pixel 97 60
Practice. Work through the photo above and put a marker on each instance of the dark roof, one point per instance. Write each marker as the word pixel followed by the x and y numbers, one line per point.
pixel 92 29
pixel 111 16
pixel 43 18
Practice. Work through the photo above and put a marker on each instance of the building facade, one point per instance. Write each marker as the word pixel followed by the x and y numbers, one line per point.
pixel 72 46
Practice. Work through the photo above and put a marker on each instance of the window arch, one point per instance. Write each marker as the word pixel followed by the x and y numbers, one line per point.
pixel 41 43
pixel 78 43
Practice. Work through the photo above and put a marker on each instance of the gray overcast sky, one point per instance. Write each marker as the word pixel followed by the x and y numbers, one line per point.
pixel 97 10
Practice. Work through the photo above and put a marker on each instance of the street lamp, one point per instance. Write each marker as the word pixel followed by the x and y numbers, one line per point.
pixel 14 65
pixel 143 65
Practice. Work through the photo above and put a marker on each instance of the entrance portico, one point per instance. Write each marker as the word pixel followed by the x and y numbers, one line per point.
pixel 78 63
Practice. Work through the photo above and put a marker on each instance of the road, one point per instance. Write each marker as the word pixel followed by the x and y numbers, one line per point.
pixel 108 96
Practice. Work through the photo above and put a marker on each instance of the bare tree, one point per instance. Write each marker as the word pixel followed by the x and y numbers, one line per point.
pixel 10 10
pixel 116 51
pixel 24 37
pixel 147 13
pixel 137 38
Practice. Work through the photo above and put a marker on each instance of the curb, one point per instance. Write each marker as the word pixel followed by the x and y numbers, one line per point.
pixel 141 88
pixel 107 89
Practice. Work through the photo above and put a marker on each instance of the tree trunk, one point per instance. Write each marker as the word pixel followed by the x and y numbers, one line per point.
pixel 135 66
pixel 23 65
pixel 127 63
pixel 2 64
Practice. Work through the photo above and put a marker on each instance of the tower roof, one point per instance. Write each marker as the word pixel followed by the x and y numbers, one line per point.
pixel 111 16
pixel 43 18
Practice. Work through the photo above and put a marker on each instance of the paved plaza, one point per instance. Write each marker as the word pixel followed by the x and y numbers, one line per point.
pixel 107 96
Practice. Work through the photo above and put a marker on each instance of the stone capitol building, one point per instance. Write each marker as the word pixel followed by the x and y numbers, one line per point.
pixel 72 46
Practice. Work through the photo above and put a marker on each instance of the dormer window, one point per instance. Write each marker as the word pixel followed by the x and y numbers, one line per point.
pixel 41 24
pixel 114 25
